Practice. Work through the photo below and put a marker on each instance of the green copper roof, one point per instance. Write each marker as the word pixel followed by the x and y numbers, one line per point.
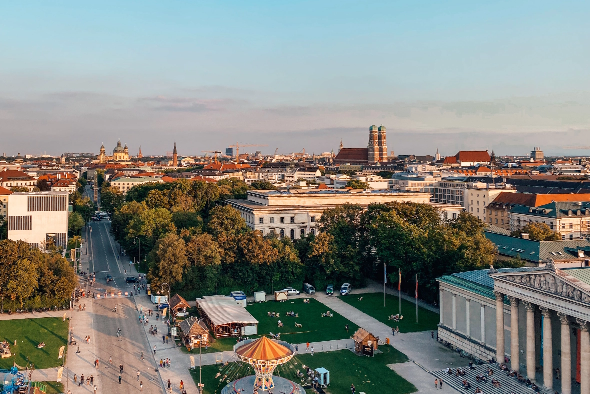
pixel 582 274
pixel 478 282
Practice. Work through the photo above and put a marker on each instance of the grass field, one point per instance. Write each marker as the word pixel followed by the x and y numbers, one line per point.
pixel 28 333
pixel 314 327
pixel 370 375
pixel 54 387
pixel 372 305
pixel 220 345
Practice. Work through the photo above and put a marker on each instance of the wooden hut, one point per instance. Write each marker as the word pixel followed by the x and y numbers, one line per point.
pixel 177 303
pixel 194 331
pixel 365 342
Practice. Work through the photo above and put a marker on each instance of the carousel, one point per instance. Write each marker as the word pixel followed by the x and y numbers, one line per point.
pixel 264 355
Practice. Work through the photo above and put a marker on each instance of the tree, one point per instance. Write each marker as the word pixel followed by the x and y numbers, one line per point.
pixel 233 188
pixel 99 178
pixel 262 185
pixel 19 270
pixel 43 185
pixel 168 261
pixel 75 223
pixel 111 199
pixel 19 189
pixel 537 232
pixel 356 184
pixel 3 229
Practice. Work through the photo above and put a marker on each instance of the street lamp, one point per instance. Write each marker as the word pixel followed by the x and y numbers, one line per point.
pixel 201 385
pixel 169 314
pixel 139 259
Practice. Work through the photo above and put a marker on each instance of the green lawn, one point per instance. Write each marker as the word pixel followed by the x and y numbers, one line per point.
pixel 220 345
pixel 28 333
pixel 314 327
pixel 372 305
pixel 54 387
pixel 370 375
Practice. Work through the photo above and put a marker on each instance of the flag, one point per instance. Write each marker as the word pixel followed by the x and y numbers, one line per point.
pixel 60 372
pixel 192 362
pixel 61 352
pixel 384 273
pixel 416 286
pixel 399 282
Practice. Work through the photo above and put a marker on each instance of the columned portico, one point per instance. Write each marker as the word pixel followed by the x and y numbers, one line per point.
pixel 514 341
pixel 547 349
pixel 584 356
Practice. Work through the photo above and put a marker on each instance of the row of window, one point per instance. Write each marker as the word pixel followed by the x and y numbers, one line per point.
pixel 20 222
pixel 292 232
pixel 47 203
pixel 282 219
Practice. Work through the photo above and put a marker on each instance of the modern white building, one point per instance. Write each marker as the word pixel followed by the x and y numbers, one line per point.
pixel 479 195
pixel 124 184
pixel 39 218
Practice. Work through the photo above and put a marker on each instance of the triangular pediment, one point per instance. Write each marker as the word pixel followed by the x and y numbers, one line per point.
pixel 555 282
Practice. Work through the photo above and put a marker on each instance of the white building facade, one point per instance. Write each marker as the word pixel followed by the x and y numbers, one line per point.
pixel 40 219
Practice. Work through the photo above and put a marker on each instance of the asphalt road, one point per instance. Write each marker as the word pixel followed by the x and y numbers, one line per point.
pixel 127 348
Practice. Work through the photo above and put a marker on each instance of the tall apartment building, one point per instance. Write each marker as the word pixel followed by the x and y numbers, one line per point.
pixel 479 195
pixel 450 192
pixel 4 193
pixel 40 218
pixel 571 220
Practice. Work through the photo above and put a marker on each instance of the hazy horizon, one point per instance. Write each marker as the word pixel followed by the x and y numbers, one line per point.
pixel 503 76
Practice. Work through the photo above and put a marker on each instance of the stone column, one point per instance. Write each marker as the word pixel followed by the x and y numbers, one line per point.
pixel 467 323
pixel 483 324
pixel 566 355
pixel 514 342
pixel 499 327
pixel 441 307
pixel 584 356
pixel 530 340
pixel 547 349
pixel 454 311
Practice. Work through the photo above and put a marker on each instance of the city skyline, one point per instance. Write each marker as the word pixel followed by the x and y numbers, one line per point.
pixel 502 76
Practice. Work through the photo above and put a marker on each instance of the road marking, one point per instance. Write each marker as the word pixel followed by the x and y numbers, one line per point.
pixel 113 248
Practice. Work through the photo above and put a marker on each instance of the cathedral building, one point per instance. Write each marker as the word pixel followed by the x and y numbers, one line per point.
pixel 375 152
pixel 120 153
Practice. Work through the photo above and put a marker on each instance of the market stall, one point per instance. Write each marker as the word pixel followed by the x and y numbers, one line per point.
pixel 225 318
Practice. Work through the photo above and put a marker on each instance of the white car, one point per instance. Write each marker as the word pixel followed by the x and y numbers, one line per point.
pixel 345 289
pixel 291 291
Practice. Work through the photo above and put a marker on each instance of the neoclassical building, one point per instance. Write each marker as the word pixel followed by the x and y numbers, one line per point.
pixel 537 317
pixel 120 153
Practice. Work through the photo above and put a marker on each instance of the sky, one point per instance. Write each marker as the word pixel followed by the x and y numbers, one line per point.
pixel 497 75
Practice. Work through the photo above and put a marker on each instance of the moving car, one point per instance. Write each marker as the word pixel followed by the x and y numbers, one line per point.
pixel 330 290
pixel 238 295
pixel 109 278
pixel 291 291
pixel 131 279
pixel 345 289
pixel 309 289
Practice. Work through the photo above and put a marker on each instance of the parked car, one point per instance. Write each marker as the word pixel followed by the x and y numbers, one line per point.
pixel 238 295
pixel 330 290
pixel 131 279
pixel 109 278
pixel 345 289
pixel 309 289
pixel 291 291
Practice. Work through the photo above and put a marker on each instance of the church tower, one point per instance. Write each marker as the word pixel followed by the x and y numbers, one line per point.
pixel 174 157
pixel 341 146
pixel 102 157
pixel 139 155
pixel 382 144
pixel 373 147
pixel 437 156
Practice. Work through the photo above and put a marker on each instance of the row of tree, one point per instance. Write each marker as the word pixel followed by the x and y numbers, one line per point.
pixel 198 245
pixel 30 279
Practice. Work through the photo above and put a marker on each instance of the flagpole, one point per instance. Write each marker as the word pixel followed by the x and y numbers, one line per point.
pixel 399 291
pixel 416 298
pixel 384 282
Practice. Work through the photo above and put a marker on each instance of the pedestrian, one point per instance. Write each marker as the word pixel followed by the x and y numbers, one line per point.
pixel 346 327
pixel 69 392
pixel 166 339
pixel 352 389
pixel 110 360
pixel 95 389
pixel 75 378
pixel 154 350
pixel 141 386
pixel 81 380
pixel 181 385
pixel 91 379
pixel 161 363
pixel 440 383
pixel 163 338
pixel 142 355
pixel 168 384
pixel 138 373
pixel 312 350
pixel 392 331
pixel 436 383
pixel 78 351
pixel 432 334
pixel 119 378
pixel 307 348
pixel 120 368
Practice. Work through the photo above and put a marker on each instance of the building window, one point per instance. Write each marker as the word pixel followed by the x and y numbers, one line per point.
pixel 20 223
pixel 302 233
pixel 292 233
pixel 282 233
pixel 272 219
pixel 502 221
pixel 571 236
pixel 261 220
pixel 313 219
pixel 292 219
pixel 312 231
pixel 477 210
pixel 571 225
pixel 282 219
pixel 496 220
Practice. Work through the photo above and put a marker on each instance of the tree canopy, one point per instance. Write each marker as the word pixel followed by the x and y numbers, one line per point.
pixel 537 232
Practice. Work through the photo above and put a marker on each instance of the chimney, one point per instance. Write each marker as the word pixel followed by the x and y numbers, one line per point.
pixel 524 236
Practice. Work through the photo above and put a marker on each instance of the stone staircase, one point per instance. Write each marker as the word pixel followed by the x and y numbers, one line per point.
pixel 509 385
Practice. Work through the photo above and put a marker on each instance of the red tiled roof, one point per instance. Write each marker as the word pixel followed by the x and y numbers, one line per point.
pixel 473 156
pixel 4 191
pixel 13 174
pixel 450 160
pixel 536 200
pixel 322 186
pixel 352 155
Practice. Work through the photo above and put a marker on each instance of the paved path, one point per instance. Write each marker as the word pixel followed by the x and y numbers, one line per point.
pixel 420 348
pixel 31 315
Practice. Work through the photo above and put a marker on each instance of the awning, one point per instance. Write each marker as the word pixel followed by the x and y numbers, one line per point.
pixel 224 310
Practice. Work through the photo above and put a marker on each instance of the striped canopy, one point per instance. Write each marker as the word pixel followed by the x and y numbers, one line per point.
pixel 263 349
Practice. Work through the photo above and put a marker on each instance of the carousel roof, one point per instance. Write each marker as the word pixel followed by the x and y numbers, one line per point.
pixel 263 349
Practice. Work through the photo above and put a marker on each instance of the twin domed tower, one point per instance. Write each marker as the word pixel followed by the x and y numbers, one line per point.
pixel 377 148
